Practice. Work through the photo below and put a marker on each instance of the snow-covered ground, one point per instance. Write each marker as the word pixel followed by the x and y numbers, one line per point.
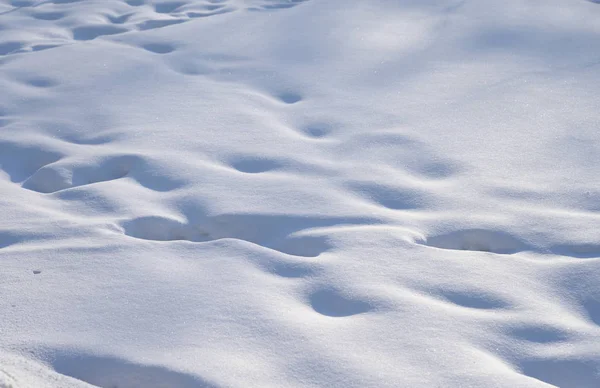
pixel 299 193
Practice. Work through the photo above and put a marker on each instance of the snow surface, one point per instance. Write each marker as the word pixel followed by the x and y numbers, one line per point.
pixel 299 193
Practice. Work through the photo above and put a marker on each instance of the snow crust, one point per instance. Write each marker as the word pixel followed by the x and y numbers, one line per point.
pixel 299 193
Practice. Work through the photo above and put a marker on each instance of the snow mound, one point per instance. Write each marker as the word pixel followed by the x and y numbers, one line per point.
pixel 287 193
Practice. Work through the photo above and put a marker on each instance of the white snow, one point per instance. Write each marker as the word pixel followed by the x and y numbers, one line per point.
pixel 299 193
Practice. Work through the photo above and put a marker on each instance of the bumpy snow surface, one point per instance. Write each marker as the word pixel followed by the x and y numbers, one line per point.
pixel 299 193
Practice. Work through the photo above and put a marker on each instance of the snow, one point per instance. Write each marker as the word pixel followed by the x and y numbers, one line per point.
pixel 299 193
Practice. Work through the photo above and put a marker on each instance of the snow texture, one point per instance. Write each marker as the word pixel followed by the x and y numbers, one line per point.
pixel 299 193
